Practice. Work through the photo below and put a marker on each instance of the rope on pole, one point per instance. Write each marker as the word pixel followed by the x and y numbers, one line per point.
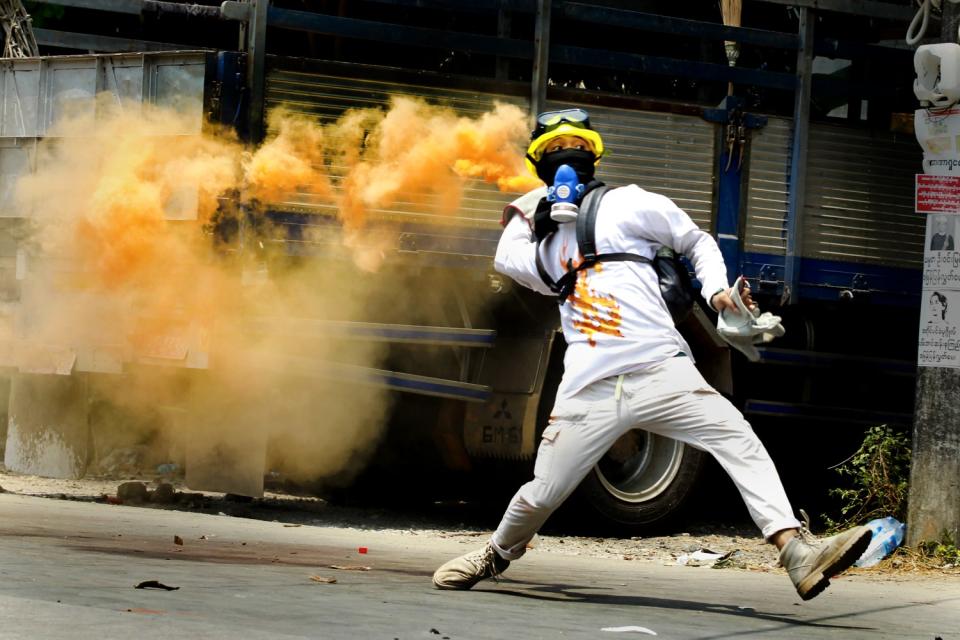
pixel 18 38
pixel 731 10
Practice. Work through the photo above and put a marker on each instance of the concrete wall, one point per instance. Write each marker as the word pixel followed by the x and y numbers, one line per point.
pixel 47 429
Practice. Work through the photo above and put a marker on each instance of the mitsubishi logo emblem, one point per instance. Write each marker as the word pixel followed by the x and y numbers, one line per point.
pixel 503 413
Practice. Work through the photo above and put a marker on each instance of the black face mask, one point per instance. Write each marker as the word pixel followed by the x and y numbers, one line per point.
pixel 580 160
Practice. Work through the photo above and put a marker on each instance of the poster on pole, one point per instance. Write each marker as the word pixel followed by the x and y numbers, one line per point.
pixel 939 321
pixel 937 194
pixel 940 303
pixel 941 254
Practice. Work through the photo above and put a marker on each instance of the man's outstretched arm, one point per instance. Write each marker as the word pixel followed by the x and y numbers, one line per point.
pixel 662 220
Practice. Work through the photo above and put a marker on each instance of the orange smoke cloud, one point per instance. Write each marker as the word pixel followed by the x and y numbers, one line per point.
pixel 293 157
pixel 122 260
pixel 413 153
pixel 127 186
pixel 109 203
pixel 419 149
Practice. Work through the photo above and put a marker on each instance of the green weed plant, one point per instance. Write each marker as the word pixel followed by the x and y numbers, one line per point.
pixel 877 476
pixel 943 551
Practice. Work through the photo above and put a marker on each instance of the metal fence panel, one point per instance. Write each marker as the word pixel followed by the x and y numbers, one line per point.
pixel 123 77
pixel 15 161
pixel 21 91
pixel 71 86
pixel 37 93
pixel 178 83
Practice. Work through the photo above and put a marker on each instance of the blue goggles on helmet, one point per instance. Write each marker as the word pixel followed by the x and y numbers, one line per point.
pixel 549 120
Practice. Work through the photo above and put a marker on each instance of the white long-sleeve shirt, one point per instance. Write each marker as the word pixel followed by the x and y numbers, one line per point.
pixel 615 321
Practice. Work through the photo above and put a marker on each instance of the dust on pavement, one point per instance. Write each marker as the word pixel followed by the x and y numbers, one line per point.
pixel 745 550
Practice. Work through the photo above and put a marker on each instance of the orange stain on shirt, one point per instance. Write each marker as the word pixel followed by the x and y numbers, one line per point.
pixel 597 313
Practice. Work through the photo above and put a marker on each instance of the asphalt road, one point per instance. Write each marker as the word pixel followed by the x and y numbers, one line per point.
pixel 68 570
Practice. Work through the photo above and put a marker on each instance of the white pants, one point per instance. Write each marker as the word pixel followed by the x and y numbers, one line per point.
pixel 671 399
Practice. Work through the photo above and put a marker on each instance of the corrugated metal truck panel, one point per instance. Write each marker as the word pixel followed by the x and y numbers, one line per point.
pixel 327 97
pixel 859 196
pixel 319 93
pixel 768 188
pixel 859 199
pixel 667 153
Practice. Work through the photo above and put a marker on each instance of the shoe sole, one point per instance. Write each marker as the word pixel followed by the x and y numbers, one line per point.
pixel 819 578
pixel 452 587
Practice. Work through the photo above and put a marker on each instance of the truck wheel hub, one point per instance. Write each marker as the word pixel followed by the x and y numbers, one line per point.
pixel 640 466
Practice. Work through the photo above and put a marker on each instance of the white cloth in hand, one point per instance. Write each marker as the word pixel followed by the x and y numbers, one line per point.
pixel 749 327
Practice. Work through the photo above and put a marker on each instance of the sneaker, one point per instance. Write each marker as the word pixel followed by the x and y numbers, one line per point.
pixel 469 569
pixel 811 563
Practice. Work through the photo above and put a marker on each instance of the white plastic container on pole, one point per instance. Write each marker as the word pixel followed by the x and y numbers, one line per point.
pixel 938 74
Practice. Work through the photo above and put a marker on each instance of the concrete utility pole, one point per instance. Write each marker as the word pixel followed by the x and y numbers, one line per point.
pixel 935 471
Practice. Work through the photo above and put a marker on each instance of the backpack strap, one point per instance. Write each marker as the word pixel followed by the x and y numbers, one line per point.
pixel 565 285
pixel 590 202
pixel 586 245
pixel 587 223
pixel 542 271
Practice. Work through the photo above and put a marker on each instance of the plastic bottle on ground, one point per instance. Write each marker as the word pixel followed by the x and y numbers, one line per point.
pixel 887 535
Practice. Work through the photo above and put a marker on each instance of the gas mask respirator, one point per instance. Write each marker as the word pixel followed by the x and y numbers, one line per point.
pixel 564 194
pixel 567 172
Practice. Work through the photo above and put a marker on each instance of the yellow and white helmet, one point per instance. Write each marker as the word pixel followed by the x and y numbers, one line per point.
pixel 553 124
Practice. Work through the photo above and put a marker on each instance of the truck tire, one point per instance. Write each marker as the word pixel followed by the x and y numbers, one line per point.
pixel 642 481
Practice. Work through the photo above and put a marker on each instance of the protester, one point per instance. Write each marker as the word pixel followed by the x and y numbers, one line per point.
pixel 626 365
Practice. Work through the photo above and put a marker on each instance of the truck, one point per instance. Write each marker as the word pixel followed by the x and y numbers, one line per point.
pixel 795 156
